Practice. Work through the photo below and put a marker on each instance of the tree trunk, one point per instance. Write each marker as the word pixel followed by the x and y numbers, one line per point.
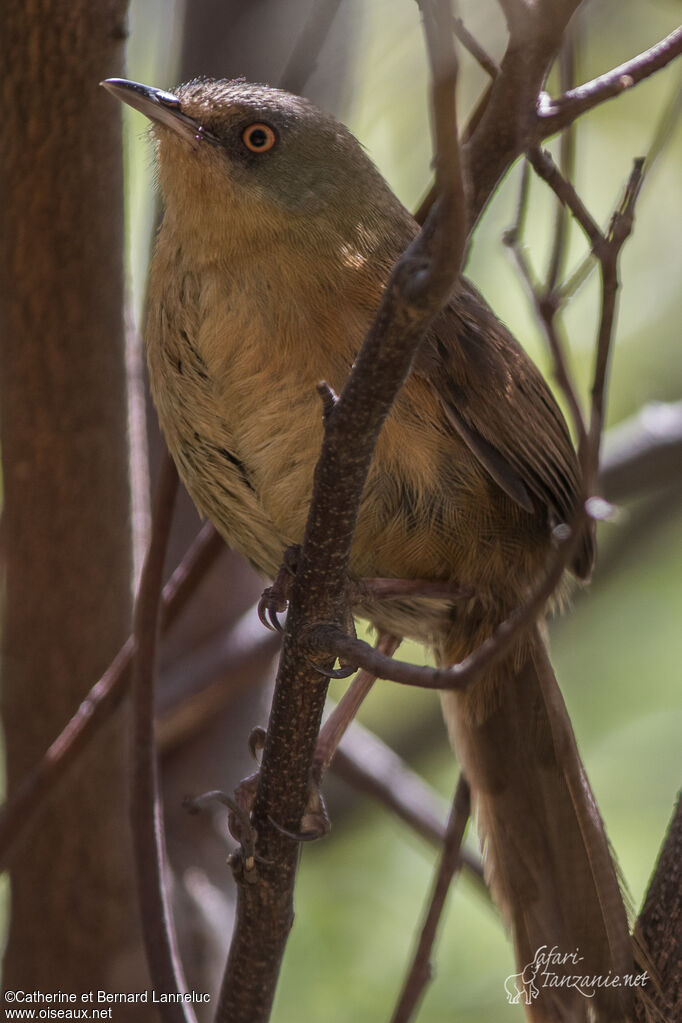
pixel 66 502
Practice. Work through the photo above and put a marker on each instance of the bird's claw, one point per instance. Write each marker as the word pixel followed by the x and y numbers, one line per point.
pixel 313 826
pixel 270 605
pixel 257 741
pixel 343 671
pixel 275 599
pixel 314 822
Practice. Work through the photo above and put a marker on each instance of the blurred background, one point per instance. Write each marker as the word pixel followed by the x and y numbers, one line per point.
pixel 617 651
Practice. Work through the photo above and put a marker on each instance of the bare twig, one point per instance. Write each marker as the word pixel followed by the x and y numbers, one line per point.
pixel 506 123
pixel 102 699
pixel 370 766
pixel 195 687
pixel 661 138
pixel 472 44
pixel 345 710
pixel 145 811
pixel 514 113
pixel 566 162
pixel 555 114
pixel 417 289
pixel 546 306
pixel 544 167
pixel 140 511
pixel 420 970
pixel 667 123
pixel 619 232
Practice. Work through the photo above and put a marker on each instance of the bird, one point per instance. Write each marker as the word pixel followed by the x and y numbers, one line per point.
pixel 278 237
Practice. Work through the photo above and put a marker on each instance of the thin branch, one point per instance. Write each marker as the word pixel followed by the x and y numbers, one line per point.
pixel 661 138
pixel 566 162
pixel 555 114
pixel 345 710
pixel 619 232
pixel 416 291
pixel 195 687
pixel 507 120
pixel 420 970
pixel 514 113
pixel 472 44
pixel 145 810
pixel 515 233
pixel 544 167
pixel 576 279
pixel 102 699
pixel 371 767
pixel 140 512
pixel 547 307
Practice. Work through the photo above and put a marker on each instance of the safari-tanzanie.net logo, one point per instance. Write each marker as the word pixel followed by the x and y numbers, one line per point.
pixel 552 968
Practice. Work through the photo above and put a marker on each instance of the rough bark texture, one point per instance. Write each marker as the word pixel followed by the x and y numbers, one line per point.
pixel 66 501
pixel 659 927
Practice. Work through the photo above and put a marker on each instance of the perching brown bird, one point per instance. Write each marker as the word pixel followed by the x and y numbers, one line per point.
pixel 276 244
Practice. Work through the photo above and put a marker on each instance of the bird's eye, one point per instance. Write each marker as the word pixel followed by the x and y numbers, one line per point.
pixel 259 137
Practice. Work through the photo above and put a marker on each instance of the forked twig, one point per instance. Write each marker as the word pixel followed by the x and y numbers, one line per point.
pixel 555 114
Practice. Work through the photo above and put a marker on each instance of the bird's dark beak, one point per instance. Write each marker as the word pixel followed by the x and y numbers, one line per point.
pixel 157 105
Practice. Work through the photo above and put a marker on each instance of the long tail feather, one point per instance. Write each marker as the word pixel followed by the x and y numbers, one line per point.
pixel 546 853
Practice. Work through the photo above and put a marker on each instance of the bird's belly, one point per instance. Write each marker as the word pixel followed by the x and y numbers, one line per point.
pixel 247 450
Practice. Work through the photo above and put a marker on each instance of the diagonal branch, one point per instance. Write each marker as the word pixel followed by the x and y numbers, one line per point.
pixel 619 231
pixel 507 122
pixel 102 699
pixel 450 862
pixel 370 766
pixel 567 147
pixel 345 710
pixel 470 43
pixel 555 114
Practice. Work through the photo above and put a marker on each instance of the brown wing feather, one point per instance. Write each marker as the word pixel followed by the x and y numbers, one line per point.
pixel 499 403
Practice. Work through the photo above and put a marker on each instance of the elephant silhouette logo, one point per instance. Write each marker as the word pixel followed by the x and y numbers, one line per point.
pixel 521 987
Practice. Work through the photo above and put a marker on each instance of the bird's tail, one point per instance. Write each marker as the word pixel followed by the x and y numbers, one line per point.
pixel 546 855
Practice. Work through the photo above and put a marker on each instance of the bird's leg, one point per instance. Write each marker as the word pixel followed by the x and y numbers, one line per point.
pixel 367 590
pixel 315 820
pixel 275 598
pixel 239 822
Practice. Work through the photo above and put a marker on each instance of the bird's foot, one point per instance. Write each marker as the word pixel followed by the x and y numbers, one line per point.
pixel 275 599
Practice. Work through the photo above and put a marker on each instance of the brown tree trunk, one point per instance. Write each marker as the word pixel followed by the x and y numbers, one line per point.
pixel 66 501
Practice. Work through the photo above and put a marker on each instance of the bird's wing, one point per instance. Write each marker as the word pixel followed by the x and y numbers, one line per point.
pixel 499 404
